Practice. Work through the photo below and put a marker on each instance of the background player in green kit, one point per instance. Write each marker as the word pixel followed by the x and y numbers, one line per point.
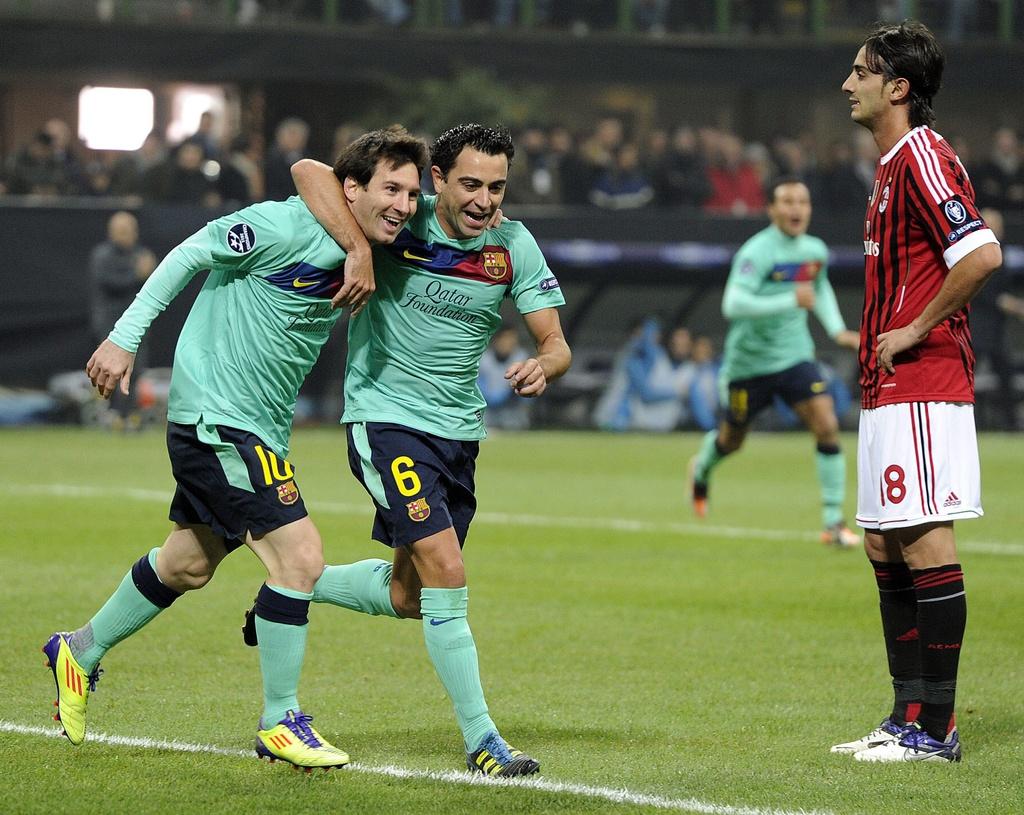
pixel 414 413
pixel 254 332
pixel 777 276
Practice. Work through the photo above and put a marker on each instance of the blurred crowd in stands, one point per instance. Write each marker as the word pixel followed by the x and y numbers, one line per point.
pixel 659 380
pixel 604 166
pixel 954 19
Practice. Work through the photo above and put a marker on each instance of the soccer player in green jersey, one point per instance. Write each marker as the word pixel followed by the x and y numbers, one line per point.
pixel 414 412
pixel 777 277
pixel 253 334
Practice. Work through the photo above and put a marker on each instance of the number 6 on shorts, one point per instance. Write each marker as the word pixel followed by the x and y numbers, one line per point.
pixel 406 480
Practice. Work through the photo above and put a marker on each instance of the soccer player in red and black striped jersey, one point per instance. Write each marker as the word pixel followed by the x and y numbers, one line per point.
pixel 927 253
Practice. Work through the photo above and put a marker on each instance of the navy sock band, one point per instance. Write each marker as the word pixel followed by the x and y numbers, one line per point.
pixel 828 449
pixel 146 581
pixel 279 608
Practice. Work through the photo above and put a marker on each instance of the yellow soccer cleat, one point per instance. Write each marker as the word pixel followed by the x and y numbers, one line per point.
pixel 294 740
pixel 73 686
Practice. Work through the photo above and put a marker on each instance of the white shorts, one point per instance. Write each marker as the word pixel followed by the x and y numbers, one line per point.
pixel 917 463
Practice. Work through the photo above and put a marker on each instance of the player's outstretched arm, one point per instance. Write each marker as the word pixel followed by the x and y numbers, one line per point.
pixel 826 309
pixel 964 281
pixel 113 361
pixel 530 377
pixel 847 339
pixel 108 365
pixel 323 194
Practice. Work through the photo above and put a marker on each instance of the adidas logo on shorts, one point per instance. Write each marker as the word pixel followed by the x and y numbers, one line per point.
pixel 951 500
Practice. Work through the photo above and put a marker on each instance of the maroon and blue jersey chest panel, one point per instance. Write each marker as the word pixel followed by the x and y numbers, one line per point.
pixel 490 264
pixel 308 280
pixel 799 272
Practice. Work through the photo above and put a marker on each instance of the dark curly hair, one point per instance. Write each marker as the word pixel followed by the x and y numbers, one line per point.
pixel 910 51
pixel 392 144
pixel 490 140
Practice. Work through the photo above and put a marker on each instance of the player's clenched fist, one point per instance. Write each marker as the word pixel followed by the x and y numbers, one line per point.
pixel 527 378
pixel 108 365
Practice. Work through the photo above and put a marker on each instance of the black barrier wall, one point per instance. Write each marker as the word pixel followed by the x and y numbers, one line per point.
pixel 615 268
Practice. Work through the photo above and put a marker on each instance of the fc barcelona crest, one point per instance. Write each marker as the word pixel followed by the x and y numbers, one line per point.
pixel 419 510
pixel 287 493
pixel 495 265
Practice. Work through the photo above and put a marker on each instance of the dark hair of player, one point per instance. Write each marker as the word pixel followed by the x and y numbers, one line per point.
pixel 490 140
pixel 783 181
pixel 394 145
pixel 910 51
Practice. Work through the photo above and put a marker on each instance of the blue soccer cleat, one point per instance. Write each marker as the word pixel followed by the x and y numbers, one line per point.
pixel 73 686
pixel 915 745
pixel 496 758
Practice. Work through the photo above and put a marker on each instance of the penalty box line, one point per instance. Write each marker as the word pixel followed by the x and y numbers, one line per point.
pixel 616 796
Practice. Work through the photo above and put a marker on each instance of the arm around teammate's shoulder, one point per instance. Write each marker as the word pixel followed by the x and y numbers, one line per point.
pixel 322 193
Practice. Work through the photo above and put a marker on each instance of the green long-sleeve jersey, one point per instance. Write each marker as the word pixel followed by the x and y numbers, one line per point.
pixel 768 331
pixel 258 324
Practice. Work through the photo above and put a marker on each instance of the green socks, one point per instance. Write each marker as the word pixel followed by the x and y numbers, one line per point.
pixel 138 599
pixel 453 652
pixel 281 625
pixel 364 586
pixel 832 477
pixel 707 457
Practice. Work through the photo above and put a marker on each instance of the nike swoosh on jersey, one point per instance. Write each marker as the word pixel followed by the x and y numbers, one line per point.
pixel 410 256
pixel 299 283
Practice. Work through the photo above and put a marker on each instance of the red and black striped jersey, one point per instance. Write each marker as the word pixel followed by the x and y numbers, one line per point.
pixel 921 221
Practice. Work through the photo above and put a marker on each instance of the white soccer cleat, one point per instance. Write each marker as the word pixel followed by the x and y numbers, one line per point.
pixel 915 745
pixel 888 732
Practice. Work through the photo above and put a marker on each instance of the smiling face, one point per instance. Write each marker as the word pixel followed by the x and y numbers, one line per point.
pixel 790 209
pixel 471 193
pixel 386 203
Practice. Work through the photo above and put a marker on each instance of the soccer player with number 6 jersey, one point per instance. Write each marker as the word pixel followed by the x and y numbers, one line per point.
pixel 255 330
pixel 413 410
pixel 927 252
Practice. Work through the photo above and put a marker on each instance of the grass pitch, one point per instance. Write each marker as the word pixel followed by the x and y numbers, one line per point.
pixel 708 665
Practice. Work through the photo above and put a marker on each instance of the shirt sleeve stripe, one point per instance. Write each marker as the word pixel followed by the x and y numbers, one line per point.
pixel 932 155
pixel 923 173
pixel 928 162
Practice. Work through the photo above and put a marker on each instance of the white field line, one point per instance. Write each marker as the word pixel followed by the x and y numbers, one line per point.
pixel 626 525
pixel 616 796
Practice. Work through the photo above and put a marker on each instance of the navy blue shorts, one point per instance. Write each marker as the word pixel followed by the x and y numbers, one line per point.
pixel 748 397
pixel 230 481
pixel 421 484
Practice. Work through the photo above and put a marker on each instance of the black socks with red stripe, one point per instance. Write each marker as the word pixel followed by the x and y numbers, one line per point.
pixel 941 620
pixel 898 604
